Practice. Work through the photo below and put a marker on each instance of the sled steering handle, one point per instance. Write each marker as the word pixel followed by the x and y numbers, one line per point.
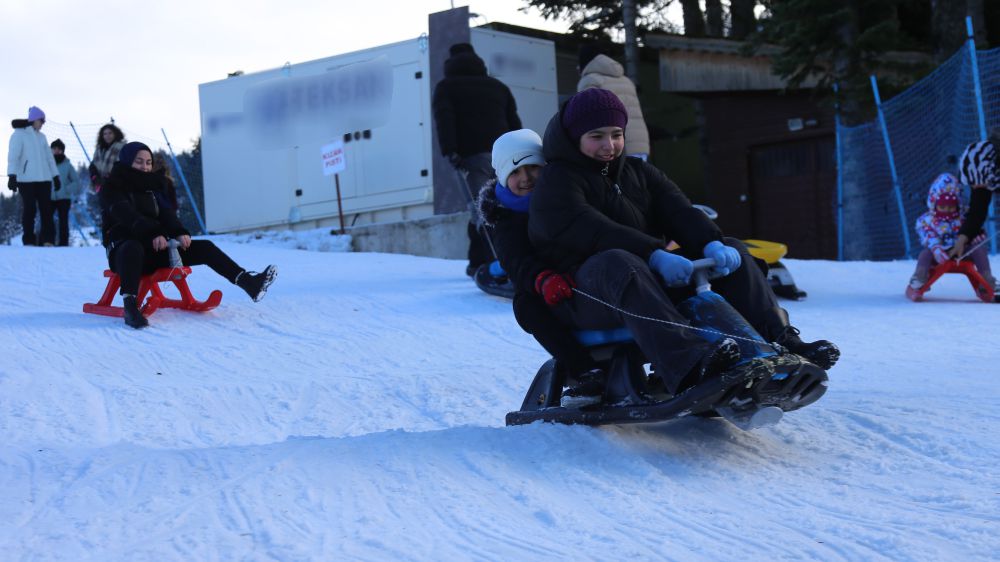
pixel 700 277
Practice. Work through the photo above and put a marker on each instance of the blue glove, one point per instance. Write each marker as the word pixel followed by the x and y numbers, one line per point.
pixel 674 269
pixel 727 259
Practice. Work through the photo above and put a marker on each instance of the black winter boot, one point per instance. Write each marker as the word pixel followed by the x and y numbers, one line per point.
pixel 133 316
pixel 256 284
pixel 722 356
pixel 822 353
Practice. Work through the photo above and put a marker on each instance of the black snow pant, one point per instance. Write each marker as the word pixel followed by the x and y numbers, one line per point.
pixel 36 197
pixel 624 280
pixel 60 207
pixel 132 259
pixel 479 170
pixel 536 318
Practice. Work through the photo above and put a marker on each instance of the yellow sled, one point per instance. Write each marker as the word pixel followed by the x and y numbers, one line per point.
pixel 771 252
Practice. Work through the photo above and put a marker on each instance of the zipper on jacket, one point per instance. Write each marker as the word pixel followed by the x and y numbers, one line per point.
pixel 604 170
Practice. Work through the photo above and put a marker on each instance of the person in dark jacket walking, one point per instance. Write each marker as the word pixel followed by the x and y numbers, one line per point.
pixel 137 227
pixel 607 219
pixel 503 206
pixel 32 170
pixel 471 109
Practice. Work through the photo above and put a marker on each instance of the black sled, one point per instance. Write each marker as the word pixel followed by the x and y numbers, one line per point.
pixel 766 383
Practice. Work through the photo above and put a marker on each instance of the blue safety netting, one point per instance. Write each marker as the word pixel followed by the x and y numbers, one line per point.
pixel 929 125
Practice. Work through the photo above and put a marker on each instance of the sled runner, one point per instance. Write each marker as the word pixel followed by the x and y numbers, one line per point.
pixel 982 289
pixel 756 392
pixel 493 280
pixel 149 284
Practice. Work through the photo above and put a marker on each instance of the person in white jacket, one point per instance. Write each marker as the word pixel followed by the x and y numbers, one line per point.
pixel 32 170
pixel 598 70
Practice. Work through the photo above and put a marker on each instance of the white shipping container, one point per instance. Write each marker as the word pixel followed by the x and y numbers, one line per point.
pixel 389 176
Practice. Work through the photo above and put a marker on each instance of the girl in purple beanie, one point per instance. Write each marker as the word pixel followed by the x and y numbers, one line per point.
pixel 606 219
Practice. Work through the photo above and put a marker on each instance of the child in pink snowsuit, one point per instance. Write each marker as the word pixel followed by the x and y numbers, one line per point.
pixel 938 228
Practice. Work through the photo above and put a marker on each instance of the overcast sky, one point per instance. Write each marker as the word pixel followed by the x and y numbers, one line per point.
pixel 142 62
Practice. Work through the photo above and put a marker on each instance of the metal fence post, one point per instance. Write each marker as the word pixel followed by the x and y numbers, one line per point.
pixel 840 173
pixel 177 166
pixel 892 167
pixel 990 225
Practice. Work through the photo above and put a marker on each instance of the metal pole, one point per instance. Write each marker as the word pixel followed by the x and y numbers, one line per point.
pixel 76 213
pixel 631 44
pixel 177 165
pixel 840 174
pixel 340 209
pixel 77 135
pixel 975 78
pixel 990 225
pixel 892 166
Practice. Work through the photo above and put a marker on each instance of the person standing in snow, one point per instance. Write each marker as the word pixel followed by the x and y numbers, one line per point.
pixel 503 207
pixel 62 198
pixel 605 220
pixel 598 70
pixel 471 109
pixel 32 171
pixel 980 170
pixel 110 140
pixel 137 226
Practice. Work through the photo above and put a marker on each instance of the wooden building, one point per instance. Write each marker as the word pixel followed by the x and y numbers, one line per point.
pixel 767 153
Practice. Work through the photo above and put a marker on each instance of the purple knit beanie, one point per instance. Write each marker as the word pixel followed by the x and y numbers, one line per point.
pixel 592 109
pixel 34 114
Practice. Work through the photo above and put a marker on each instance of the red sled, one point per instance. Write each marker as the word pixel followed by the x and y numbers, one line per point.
pixel 149 284
pixel 982 289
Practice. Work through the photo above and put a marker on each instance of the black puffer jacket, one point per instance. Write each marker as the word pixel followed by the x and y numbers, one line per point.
pixel 131 207
pixel 509 230
pixel 581 207
pixel 471 109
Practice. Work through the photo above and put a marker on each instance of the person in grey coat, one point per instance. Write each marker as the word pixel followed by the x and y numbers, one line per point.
pixel 62 198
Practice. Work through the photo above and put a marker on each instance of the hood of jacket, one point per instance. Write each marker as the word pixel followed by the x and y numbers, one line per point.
pixel 603 64
pixel 946 183
pixel 464 64
pixel 487 204
pixel 20 123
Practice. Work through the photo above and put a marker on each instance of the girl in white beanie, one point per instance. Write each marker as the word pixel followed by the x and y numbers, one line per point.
pixel 503 206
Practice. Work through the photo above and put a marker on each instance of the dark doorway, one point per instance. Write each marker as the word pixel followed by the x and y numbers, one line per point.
pixel 792 188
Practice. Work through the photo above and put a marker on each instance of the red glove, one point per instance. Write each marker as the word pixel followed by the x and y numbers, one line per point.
pixel 554 287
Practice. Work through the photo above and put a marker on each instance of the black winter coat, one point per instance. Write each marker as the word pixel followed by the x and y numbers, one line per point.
pixel 471 109
pixel 581 207
pixel 132 209
pixel 509 230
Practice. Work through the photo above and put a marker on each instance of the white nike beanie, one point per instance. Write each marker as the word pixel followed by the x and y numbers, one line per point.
pixel 515 149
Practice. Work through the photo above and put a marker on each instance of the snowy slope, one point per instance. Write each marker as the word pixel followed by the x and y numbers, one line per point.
pixel 357 413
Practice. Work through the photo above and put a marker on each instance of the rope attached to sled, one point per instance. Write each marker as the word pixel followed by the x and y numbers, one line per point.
pixel 668 322
pixel 975 247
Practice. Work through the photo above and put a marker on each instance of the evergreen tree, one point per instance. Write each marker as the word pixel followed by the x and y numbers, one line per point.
pixel 844 42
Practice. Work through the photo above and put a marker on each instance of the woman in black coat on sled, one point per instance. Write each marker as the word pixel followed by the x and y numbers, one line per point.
pixel 137 223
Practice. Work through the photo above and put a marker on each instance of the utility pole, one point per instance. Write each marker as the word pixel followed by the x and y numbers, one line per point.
pixel 631 41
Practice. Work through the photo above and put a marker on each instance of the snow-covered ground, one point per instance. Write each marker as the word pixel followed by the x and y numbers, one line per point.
pixel 356 413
